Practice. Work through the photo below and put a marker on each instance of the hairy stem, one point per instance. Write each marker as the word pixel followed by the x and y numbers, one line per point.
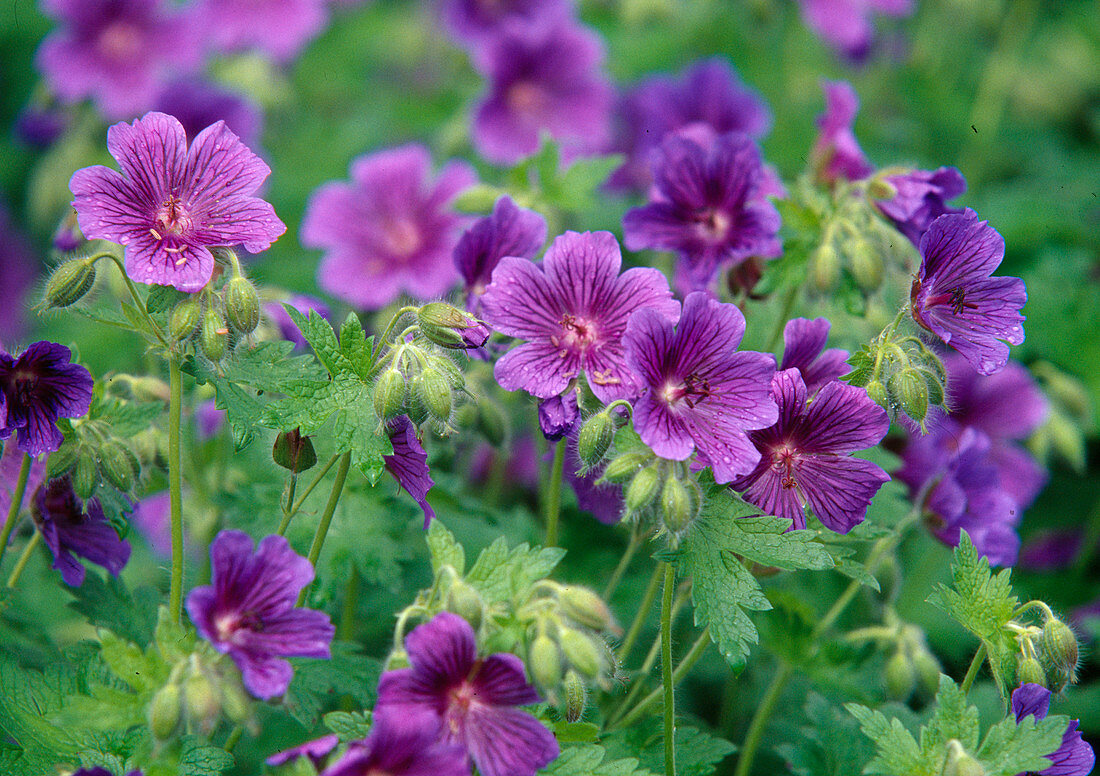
pixel 175 486
pixel 326 517
pixel 666 669
pixel 553 494
pixel 760 720
pixel 26 556
pixel 694 655
pixel 624 564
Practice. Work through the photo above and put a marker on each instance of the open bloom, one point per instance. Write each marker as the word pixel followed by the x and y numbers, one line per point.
pixel 389 229
pixel 804 350
pixel 846 24
pixel 474 698
pixel 508 231
pixel 404 744
pixel 172 203
pixel 37 387
pixel 280 28
pixel 1073 757
pixel 954 297
pixel 197 104
pixel 573 311
pixel 477 21
pixel 805 458
pixel 701 392
pixel 409 464
pixel 836 153
pixel 921 198
pixel 72 530
pixel 249 610
pixel 708 207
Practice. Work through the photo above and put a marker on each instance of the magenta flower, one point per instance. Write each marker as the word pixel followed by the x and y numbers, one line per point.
pixel 197 104
pixel 542 78
pixel 836 153
pixel 805 458
pixel 172 203
pixel 388 230
pixel 558 415
pixel 508 231
pixel 477 21
pixel 702 394
pixel 572 311
pixel 72 529
pixel 954 297
pixel 17 267
pixel 316 750
pixel 1074 756
pixel 708 94
pixel 708 207
pixel 804 350
pixel 474 698
pixel 279 28
pixel 409 464
pixel 118 53
pixel 37 387
pixel 403 744
pixel 846 24
pixel 249 610
pixel 921 199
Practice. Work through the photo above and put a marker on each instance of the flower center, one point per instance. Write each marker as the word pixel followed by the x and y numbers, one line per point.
pixel 229 624
pixel 785 459
pixel 715 225
pixel 526 98
pixel 401 238
pixel 459 700
pixel 691 391
pixel 577 335
pixel 120 41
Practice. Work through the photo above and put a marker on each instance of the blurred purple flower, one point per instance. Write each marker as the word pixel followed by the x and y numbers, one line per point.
pixel 508 231
pixel 316 750
pixel 73 529
pixel 152 518
pixel 17 268
pixel 836 153
pixel 521 466
pixel 708 207
pixel 388 230
pixel 954 297
pixel 1074 756
pixel 703 395
pixel 197 104
pixel 37 387
pixel 172 203
pixel 304 304
pixel 605 501
pixel 249 610
pixel 708 93
pixel 477 21
pixel 117 52
pixel 404 744
pixel 1051 549
pixel 846 24
pixel 279 28
pixel 572 310
pixel 11 461
pixel 409 464
pixel 542 78
pixel 474 698
pixel 209 420
pixel 40 125
pixel 804 350
pixel 921 199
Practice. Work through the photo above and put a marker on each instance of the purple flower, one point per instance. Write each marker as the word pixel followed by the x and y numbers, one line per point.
pixel 542 78
pixel 197 104
pixel 604 502
pixel 280 28
pixel 509 231
pixel 572 311
pixel 99 771
pixel 409 464
pixel 836 153
pixel 954 297
pixel 846 24
pixel 1051 550
pixel 11 461
pixel 406 744
pixel 152 518
pixel 303 304
pixel 209 420
pixel 708 207
pixel 171 202
pixel 37 387
pixel 316 750
pixel 804 350
pixel 1074 757
pixel 118 52
pixel 73 529
pixel 708 94
pixel 474 698
pixel 921 199
pixel 40 125
pixel 477 21
pixel 702 393
pixel 249 613
pixel 17 268
pixel 388 230
pixel 558 415
pixel 805 458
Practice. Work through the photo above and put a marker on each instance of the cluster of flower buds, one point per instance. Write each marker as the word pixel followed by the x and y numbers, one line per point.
pixel 450 327
pixel 92 455
pixel 202 688
pixel 656 488
pixel 1070 413
pixel 1048 655
pixel 448 593
pixel 217 320
pixel 900 374
pixel 911 666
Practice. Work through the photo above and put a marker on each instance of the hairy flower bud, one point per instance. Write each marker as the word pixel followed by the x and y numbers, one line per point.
pixel 389 394
pixel 900 677
pixel 215 336
pixel 580 652
pixel 544 662
pixel 625 466
pixel 911 391
pixel 585 607
pixel 202 700
pixel 1030 671
pixel 435 393
pixel 164 712
pixel 294 452
pixel 877 392
pixel 866 265
pixel 242 305
pixel 466 602
pixel 928 671
pixel 825 267
pixel 119 465
pixel 595 438
pixel 446 325
pixel 85 475
pixel 69 283
pixel 642 489
pixel 1059 645
pixel 185 318
pixel 576 696
pixel 679 504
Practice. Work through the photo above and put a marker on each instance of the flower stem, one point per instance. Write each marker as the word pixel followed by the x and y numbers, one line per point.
pixel 233 738
pixel 326 517
pixel 175 486
pixel 553 494
pixel 760 719
pixel 666 669
pixel 381 341
pixel 639 619
pixel 141 307
pixel 624 564
pixel 698 649
pixel 972 671
pixel 301 500
pixel 16 504
pixel 26 556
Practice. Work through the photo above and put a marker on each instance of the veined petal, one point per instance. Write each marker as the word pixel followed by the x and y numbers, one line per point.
pixel 443 648
pixel 839 488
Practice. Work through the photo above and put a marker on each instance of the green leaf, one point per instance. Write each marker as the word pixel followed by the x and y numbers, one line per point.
pixel 355 346
pixel 143 671
pixel 1010 748
pixel 591 760
pixel 953 718
pixel 319 333
pixel 445 551
pixel 698 753
pixel 198 758
pixel 897 750
pixel 349 726
pixel 576 732
pixel 501 574
pixel 830 746
pixel 319 683
pixel 110 604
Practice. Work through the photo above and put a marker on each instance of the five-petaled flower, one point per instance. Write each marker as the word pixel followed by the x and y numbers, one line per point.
pixel 71 528
pixel 37 387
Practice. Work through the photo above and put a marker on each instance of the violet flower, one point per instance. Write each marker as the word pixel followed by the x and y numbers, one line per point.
pixel 1074 756
pixel 11 461
pixel 388 230
pixel 572 311
pixel 403 744
pixel 72 529
pixel 846 24
pixel 17 268
pixel 542 78
pixel 409 464
pixel 954 297
pixel 37 387
pixel 249 610
pixel 316 750
pixel 39 126
pixel 804 350
pixel 278 315
pixel 805 458
pixel 921 199
pixel 474 698
pixel 836 153
pixel 508 231
pixel 279 28
pixel 708 207
pixel 172 203
pixel 708 93
pixel 197 104
pixel 118 53
pixel 478 21
pixel 702 394
pixel 558 415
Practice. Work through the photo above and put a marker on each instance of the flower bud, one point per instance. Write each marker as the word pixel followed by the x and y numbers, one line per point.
pixel 595 438
pixel 85 475
pixel 450 327
pixel 625 466
pixel 1030 671
pixel 642 489
pixel 164 712
pixel 900 677
pixel 910 390
pixel 576 696
pixel 69 283
pixel 435 393
pixel 1058 678
pixel 558 415
pixel 866 265
pixel 934 385
pixel 877 392
pixel 928 670
pixel 242 305
pixel 584 606
pixel 389 394
pixel 64 458
pixel 202 700
pixel 185 319
pixel 580 652
pixel 414 406
pixel 466 602
pixel 881 188
pixel 544 662
pixel 215 336
pixel 235 702
pixel 1059 645
pixel 679 505
pixel 825 267
pixel 149 389
pixel 293 451
pixel 119 465
pixel 490 422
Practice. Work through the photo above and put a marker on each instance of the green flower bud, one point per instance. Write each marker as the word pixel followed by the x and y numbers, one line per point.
pixel 435 393
pixel 446 325
pixel 928 670
pixel 642 489
pixel 880 188
pixel 866 265
pixel 119 465
pixel 389 394
pixel 900 677
pixel 1059 645
pixel 185 318
pixel 69 283
pixel 679 505
pixel 490 422
pixel 595 438
pixel 235 702
pixel 585 607
pixel 962 764
pixel 149 389
pixel 935 387
pixel 877 392
pixel 450 370
pixel 825 267
pixel 466 602
pixel 293 451
pixel 1058 678
pixel 625 466
pixel 64 458
pixel 544 662
pixel 1030 671
pixel 910 390
pixel 242 305
pixel 215 336
pixel 580 652
pixel 85 475
pixel 164 712
pixel 415 407
pixel 202 700
pixel 477 199
pixel 576 696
